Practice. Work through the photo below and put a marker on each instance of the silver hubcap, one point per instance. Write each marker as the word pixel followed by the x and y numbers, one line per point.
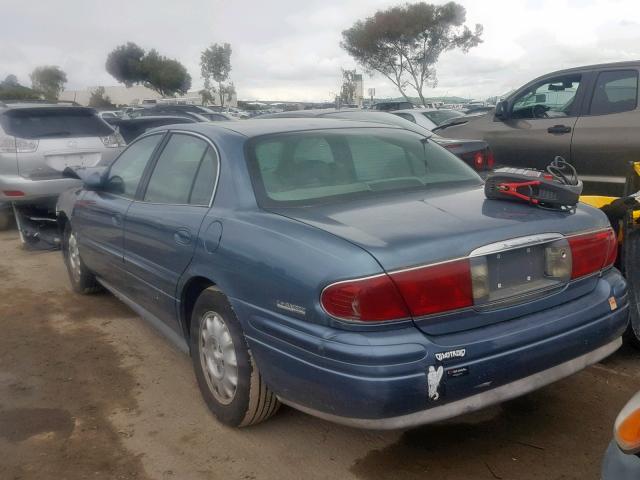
pixel 218 357
pixel 74 256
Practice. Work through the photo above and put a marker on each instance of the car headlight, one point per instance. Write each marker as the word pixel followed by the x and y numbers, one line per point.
pixel 627 427
pixel 113 141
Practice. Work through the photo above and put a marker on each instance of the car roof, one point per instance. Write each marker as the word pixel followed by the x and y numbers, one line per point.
pixel 268 126
pixel 417 110
pixel 7 108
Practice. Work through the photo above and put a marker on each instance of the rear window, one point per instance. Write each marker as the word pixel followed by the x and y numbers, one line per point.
pixel 53 123
pixel 440 116
pixel 307 168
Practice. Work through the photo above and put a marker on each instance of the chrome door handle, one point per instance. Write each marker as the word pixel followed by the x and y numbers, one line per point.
pixel 559 129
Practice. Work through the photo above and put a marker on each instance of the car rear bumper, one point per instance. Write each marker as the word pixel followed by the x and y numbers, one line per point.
pixel 617 465
pixel 378 379
pixel 474 402
pixel 33 191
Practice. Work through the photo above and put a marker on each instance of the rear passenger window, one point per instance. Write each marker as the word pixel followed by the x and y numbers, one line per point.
pixel 175 171
pixel 615 92
pixel 205 179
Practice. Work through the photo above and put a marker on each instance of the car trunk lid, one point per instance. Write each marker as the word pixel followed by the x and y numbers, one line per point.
pixel 410 230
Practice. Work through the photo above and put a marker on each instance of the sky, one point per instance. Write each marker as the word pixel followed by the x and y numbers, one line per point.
pixel 290 49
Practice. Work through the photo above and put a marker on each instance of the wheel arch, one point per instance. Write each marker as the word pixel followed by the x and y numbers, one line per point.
pixel 191 290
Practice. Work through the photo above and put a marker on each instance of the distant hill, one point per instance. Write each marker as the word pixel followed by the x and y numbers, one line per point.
pixel 416 100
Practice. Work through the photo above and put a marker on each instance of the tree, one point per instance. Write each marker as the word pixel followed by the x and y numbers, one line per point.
pixel 215 66
pixel 164 75
pixel 348 89
pixel 49 80
pixel 10 89
pixel 404 43
pixel 125 64
pixel 98 99
pixel 207 97
pixel 129 64
pixel 11 81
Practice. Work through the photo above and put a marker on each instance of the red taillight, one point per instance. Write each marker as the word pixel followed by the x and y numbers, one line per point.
pixel 13 193
pixel 491 161
pixel 592 252
pixel 373 299
pixel 424 290
pixel 436 288
pixel 478 160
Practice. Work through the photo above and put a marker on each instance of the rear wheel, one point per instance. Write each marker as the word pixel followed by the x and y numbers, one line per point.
pixel 226 372
pixel 82 279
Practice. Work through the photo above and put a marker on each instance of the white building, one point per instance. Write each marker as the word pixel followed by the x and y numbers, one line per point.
pixel 134 95
pixel 359 95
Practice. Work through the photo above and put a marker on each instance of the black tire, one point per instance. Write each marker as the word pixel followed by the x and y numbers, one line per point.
pixel 5 219
pixel 631 268
pixel 82 280
pixel 252 401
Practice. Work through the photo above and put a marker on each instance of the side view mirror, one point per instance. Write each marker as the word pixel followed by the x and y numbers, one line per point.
pixel 502 110
pixel 93 181
pixel 115 184
pixel 92 177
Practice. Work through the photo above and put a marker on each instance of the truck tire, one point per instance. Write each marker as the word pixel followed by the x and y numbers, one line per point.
pixel 226 372
pixel 631 261
pixel 82 279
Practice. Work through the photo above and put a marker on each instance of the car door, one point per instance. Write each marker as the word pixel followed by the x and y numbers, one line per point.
pixel 98 217
pixel 606 137
pixel 540 123
pixel 161 226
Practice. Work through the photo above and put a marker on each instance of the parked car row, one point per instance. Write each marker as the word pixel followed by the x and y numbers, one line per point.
pixel 344 262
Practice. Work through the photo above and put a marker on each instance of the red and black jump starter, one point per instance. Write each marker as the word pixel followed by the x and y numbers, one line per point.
pixel 557 188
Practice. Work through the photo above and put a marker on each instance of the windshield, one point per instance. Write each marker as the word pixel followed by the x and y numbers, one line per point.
pixel 54 123
pixel 307 168
pixel 440 116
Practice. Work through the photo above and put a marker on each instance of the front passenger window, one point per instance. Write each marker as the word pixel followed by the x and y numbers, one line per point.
pixel 551 99
pixel 126 171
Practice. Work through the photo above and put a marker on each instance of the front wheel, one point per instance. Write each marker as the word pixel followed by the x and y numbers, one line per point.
pixel 82 279
pixel 227 374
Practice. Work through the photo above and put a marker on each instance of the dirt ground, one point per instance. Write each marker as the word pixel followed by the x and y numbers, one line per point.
pixel 88 390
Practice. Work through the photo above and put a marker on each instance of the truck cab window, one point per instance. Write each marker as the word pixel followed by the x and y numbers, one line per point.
pixel 550 99
pixel 615 92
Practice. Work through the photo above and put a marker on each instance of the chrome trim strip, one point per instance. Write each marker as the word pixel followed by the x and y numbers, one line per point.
pixel 515 243
pixel 177 340
pixel 215 185
pixel 492 248
pixel 474 402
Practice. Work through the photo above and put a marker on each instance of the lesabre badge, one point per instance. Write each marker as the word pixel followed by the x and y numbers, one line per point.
pixel 433 378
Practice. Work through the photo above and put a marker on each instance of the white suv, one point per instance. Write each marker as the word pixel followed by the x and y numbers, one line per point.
pixel 37 142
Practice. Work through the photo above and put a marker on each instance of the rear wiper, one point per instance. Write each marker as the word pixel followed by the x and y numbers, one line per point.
pixel 450 124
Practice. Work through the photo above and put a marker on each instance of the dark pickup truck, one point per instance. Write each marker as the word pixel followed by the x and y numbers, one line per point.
pixel 588 115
